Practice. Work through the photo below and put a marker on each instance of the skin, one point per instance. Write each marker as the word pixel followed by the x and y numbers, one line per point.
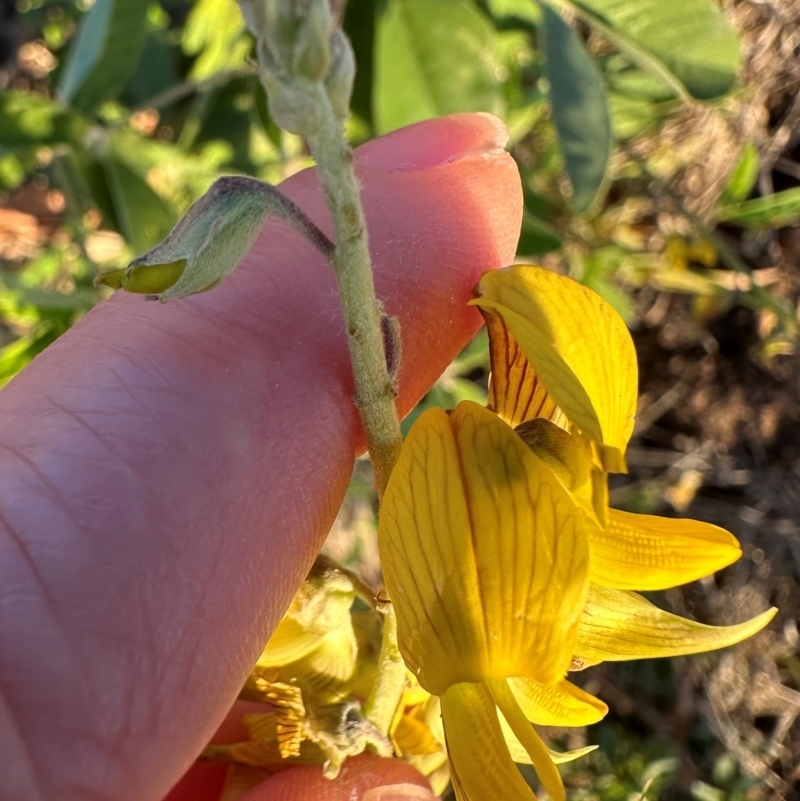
pixel 168 473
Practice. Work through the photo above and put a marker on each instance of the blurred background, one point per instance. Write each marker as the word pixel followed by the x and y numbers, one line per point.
pixel 659 145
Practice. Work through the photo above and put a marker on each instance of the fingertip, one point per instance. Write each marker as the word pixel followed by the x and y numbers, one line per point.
pixel 399 792
pixel 359 777
pixel 433 142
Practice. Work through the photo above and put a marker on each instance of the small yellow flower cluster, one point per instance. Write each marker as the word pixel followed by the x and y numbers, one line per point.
pixel 503 561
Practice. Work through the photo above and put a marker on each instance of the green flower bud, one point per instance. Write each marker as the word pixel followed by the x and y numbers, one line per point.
pixel 209 242
pixel 143 279
pixel 312 48
pixel 342 72
pixel 296 34
pixel 293 104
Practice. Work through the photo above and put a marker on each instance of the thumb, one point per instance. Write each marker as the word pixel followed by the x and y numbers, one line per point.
pixel 167 473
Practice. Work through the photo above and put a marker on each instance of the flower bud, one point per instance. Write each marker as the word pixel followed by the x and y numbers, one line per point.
pixel 339 81
pixel 207 244
pixel 312 48
pixel 292 104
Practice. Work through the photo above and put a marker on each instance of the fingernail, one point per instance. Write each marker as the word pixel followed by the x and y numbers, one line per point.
pixel 399 792
pixel 434 142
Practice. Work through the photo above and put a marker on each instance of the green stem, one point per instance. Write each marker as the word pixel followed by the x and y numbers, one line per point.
pixel 385 695
pixel 374 388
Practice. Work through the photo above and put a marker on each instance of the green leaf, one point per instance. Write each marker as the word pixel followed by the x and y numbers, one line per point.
pixel 743 178
pixel 215 32
pixel 580 112
pixel 104 53
pixel 433 59
pixel 523 11
pixel 15 356
pixel 537 237
pixel 773 211
pixel 688 43
pixel 27 119
pixel 143 216
pixel 359 25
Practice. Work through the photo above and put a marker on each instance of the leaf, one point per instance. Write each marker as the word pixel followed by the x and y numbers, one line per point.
pixel 359 22
pixel 743 178
pixel 142 214
pixel 433 59
pixel 27 119
pixel 772 211
pixel 636 99
pixel 579 108
pixel 15 356
pixel 104 53
pixel 215 32
pixel 688 43
pixel 537 237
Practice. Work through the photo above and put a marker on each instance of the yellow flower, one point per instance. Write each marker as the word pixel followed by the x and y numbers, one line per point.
pixel 503 561
pixel 544 329
pixel 486 560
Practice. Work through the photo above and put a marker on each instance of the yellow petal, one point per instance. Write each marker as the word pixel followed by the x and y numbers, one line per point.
pixel 262 749
pixel 577 345
pixel 321 605
pixel 644 552
pixel 467 492
pixel 560 757
pixel 618 625
pixel 413 737
pixel 571 458
pixel 481 767
pixel 540 758
pixel 568 456
pixel 561 704
pixel 325 675
pixel 515 391
pixel 521 756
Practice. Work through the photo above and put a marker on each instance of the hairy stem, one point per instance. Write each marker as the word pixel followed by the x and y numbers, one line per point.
pixel 390 682
pixel 374 388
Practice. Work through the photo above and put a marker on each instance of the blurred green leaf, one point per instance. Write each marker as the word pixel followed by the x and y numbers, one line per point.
pixel 537 237
pixel 688 43
pixel 27 119
pixel 743 178
pixel 104 53
pixel 215 32
pixel 359 25
pixel 523 11
pixel 15 356
pixel 773 211
pixel 16 165
pixel 156 73
pixel 580 113
pixel 433 59
pixel 630 116
pixel 142 216
pixel 637 99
